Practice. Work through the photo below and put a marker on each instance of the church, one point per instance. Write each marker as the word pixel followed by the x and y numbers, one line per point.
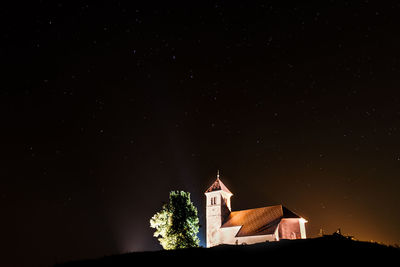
pixel 224 226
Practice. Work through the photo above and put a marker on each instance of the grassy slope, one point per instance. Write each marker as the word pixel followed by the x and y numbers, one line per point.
pixel 318 251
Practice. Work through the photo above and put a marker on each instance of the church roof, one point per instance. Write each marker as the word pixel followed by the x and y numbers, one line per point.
pixel 260 221
pixel 218 185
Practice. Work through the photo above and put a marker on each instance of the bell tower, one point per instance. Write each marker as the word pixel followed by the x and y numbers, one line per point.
pixel 218 208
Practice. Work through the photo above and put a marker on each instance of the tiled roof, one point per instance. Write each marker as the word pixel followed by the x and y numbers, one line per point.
pixel 218 185
pixel 260 221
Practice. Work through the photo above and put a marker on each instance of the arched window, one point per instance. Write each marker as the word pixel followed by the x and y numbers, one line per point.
pixel 293 235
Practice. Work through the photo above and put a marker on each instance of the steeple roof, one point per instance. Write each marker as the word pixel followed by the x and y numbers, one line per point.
pixel 218 185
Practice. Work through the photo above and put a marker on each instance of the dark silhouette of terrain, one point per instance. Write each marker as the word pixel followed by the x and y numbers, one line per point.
pixel 322 251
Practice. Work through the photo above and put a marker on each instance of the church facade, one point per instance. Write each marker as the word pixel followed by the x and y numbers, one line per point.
pixel 225 226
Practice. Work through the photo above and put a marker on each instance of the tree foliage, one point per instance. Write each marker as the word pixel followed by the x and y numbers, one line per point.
pixel 177 224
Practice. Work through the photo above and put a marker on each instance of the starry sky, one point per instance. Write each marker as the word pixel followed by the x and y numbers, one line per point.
pixel 106 106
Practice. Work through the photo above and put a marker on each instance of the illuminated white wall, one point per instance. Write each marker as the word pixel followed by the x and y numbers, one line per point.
pixel 218 207
pixel 303 228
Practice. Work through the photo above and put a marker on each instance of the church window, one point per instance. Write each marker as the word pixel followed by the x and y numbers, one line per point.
pixel 293 235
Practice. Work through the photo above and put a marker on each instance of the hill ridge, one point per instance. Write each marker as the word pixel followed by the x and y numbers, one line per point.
pixel 314 251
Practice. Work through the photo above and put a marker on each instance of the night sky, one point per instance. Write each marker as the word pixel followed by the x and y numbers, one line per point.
pixel 106 106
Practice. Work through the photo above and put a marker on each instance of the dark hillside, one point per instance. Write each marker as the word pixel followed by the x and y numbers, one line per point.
pixel 319 251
